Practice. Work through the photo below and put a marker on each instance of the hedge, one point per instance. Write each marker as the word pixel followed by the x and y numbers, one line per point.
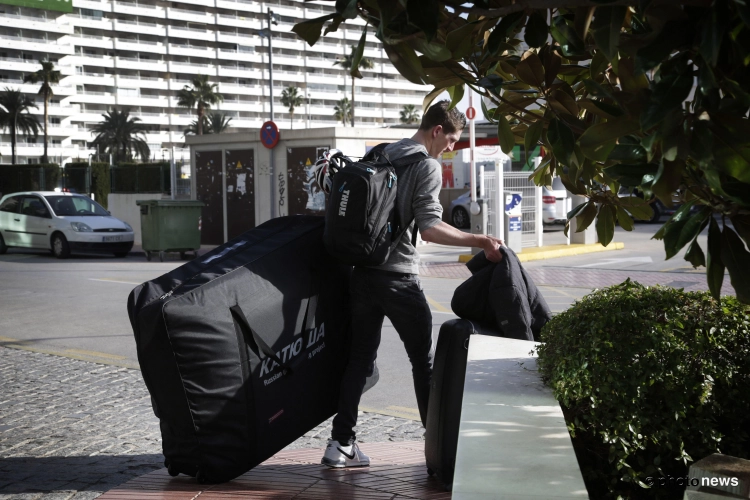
pixel 650 379
pixel 29 177
pixel 141 178
pixel 100 179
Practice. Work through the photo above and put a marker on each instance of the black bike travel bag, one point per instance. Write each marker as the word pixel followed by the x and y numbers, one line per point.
pixel 243 349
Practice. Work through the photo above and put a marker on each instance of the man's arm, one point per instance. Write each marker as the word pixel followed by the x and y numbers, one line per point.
pixel 445 234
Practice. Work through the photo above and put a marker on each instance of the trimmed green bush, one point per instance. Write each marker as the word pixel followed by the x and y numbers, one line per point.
pixel 649 379
pixel 29 177
pixel 100 179
pixel 141 178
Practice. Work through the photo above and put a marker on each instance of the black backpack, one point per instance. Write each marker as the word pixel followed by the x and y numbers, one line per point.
pixel 362 225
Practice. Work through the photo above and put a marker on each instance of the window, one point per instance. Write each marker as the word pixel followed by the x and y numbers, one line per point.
pixel 32 205
pixel 54 120
pixel 11 205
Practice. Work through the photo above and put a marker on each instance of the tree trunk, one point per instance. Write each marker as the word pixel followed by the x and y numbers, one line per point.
pixel 200 120
pixel 352 102
pixel 13 143
pixel 46 103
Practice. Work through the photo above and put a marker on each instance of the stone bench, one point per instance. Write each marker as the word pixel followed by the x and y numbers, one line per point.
pixel 513 441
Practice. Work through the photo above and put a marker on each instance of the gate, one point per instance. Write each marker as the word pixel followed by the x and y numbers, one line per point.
pixel 531 205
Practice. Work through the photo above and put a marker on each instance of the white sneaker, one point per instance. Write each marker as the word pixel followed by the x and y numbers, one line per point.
pixel 344 456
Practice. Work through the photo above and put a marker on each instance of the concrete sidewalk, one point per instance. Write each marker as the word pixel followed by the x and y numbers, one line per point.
pixel 71 429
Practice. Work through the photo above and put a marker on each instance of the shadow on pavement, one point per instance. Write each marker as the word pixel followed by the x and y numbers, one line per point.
pixel 97 473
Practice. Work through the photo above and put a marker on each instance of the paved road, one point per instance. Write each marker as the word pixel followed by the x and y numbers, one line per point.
pixel 77 307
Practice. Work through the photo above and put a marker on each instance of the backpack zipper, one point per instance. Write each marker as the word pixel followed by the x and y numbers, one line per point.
pixel 391 176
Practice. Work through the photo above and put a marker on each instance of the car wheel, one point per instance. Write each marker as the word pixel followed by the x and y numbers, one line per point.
pixel 460 218
pixel 3 246
pixel 657 213
pixel 60 247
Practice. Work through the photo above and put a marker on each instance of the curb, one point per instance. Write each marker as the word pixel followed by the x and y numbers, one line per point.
pixel 554 251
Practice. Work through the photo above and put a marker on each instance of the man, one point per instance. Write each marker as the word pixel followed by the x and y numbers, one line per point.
pixel 393 289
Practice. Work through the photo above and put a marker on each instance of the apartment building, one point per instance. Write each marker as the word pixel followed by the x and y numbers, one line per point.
pixel 138 54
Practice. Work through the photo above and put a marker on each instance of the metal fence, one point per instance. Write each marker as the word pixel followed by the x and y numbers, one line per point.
pixel 531 204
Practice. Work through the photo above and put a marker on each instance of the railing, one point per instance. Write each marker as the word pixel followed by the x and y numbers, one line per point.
pixel 187 11
pixel 139 23
pixel 146 42
pixel 185 28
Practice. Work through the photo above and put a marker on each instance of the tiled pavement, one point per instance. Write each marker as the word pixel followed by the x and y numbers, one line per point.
pixel 71 429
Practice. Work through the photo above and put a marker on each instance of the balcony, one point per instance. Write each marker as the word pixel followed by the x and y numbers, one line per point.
pixel 193 16
pixel 151 101
pixel 140 46
pixel 96 60
pixel 234 71
pixel 101 23
pixel 91 41
pixel 141 64
pixel 34 44
pixel 36 23
pixel 229 89
pixel 243 5
pixel 142 82
pixel 140 28
pixel 92 78
pixel 140 9
pixel 234 55
pixel 192 69
pixel 153 118
pixel 190 33
pixel 240 21
pixel 92 97
pixel 93 4
pixel 192 51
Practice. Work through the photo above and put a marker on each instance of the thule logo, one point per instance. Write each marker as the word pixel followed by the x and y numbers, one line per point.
pixel 344 201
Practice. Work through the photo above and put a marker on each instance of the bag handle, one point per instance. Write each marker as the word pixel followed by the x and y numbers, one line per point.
pixel 239 316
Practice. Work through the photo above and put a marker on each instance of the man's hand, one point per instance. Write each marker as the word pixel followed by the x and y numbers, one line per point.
pixel 490 246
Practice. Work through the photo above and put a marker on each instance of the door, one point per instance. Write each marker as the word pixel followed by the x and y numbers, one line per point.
pixel 36 222
pixel 305 196
pixel 10 220
pixel 208 188
pixel 240 193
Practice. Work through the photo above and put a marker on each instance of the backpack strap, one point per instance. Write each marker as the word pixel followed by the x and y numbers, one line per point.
pixel 401 164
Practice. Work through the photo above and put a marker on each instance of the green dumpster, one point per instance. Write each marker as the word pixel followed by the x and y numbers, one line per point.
pixel 170 226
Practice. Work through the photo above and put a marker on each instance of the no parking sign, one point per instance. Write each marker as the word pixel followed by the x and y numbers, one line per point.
pixel 269 134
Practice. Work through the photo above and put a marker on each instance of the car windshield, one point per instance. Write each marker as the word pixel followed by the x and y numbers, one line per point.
pixel 75 205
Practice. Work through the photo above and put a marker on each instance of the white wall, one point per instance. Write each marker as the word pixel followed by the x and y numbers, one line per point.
pixel 122 206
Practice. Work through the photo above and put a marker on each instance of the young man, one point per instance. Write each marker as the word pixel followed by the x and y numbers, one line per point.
pixel 393 289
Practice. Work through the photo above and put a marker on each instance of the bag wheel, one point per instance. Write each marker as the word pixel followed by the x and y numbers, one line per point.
pixel 430 472
pixel 172 470
pixel 201 477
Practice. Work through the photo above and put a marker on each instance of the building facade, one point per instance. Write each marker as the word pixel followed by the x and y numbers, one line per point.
pixel 138 54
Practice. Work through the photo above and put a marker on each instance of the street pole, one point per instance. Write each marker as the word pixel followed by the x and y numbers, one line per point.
pixel 270 19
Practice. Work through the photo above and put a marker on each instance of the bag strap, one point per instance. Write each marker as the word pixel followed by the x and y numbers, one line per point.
pixel 401 164
pixel 239 315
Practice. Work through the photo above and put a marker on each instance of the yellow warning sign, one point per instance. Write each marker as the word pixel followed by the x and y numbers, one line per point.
pixel 308 162
pixel 239 164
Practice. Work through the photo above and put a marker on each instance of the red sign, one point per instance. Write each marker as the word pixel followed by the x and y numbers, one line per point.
pixel 471 113
pixel 269 134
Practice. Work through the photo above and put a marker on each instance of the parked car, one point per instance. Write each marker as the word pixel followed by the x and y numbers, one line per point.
pixel 62 223
pixel 659 208
pixel 551 214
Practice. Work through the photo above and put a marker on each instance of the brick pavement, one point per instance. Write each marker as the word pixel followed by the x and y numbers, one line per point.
pixel 71 429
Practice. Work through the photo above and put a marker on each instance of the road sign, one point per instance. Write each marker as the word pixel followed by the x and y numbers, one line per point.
pixel 269 134
pixel 471 113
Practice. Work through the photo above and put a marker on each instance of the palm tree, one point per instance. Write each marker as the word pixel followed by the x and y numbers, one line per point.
pixel 14 115
pixel 121 135
pixel 47 76
pixel 346 63
pixel 409 114
pixel 291 98
pixel 201 96
pixel 214 122
pixel 342 110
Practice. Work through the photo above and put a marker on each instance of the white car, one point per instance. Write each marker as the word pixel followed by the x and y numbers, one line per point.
pixel 62 223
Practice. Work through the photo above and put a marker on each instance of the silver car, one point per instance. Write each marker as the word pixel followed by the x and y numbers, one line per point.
pixel 553 208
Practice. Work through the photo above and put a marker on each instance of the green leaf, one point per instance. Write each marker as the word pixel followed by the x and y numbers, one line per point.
pixel 671 36
pixel 668 95
pixel 683 227
pixel 626 222
pixel 431 96
pixel 564 34
pixel 586 216
pixel 741 224
pixel 457 93
pixel 694 254
pixel 714 264
pixel 357 55
pixel 600 139
pixel 506 25
pixel 433 51
pixel 530 70
pixel 310 30
pixel 737 260
pixel 347 8
pixel 667 180
pixel 606 29
pixel 424 14
pixel 505 134
pixel 638 208
pixel 406 62
pixel 575 211
pixel 732 145
pixel 605 225
pixel 713 27
pixel 562 140
pixel 531 138
pixel 537 31
pixel 630 153
pixel 630 175
pixel 460 37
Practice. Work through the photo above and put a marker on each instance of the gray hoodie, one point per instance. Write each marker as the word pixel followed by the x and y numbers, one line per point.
pixel 417 198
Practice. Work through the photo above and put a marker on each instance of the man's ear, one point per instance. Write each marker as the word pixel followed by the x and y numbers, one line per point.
pixel 436 130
